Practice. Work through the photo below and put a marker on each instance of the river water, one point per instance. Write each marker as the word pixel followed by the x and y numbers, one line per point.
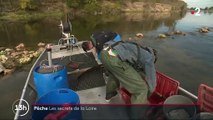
pixel 188 59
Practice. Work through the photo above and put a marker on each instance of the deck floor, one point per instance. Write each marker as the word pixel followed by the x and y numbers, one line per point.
pixel 89 84
pixel 97 96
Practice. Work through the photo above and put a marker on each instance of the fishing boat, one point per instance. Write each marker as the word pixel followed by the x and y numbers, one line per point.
pixel 85 77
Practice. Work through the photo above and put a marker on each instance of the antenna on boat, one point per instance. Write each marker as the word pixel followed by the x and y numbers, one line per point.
pixel 69 22
pixel 49 49
pixel 66 27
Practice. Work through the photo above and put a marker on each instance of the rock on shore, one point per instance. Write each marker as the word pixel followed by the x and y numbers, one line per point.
pixel 10 58
pixel 2 68
pixel 146 6
pixel 204 30
pixel 177 32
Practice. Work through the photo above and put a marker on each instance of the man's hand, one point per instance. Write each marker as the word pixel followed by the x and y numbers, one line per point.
pixel 86 46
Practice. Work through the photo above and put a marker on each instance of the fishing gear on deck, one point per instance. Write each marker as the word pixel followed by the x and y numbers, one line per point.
pixel 50 68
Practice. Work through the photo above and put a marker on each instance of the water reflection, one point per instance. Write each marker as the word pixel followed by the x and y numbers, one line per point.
pixel 29 33
pixel 47 30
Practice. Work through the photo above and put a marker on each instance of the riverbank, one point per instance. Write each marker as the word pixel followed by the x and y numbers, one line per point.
pixel 57 9
pixel 30 16
pixel 13 58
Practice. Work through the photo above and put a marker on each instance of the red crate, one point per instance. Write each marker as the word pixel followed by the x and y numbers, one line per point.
pixel 205 98
pixel 166 87
pixel 126 96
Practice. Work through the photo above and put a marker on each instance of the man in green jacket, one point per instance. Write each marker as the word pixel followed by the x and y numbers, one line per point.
pixel 129 65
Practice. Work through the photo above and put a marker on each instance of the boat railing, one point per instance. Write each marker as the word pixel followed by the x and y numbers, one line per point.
pixel 70 40
pixel 188 94
pixel 27 86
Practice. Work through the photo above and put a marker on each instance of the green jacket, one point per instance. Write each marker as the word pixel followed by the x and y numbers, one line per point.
pixel 141 58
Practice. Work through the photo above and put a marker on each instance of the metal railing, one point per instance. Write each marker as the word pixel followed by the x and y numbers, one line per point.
pixel 26 85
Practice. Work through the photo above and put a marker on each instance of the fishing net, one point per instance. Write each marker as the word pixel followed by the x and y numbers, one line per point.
pixel 89 79
pixel 49 69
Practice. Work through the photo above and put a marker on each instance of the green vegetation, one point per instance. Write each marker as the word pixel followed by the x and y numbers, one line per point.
pixel 32 9
pixel 210 10
pixel 73 3
pixel 29 16
pixel 206 9
pixel 29 4
pixel 92 6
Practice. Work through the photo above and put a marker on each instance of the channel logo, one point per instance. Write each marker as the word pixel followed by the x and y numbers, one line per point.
pixel 196 12
pixel 20 105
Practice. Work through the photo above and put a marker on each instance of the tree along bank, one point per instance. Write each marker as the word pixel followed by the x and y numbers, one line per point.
pixel 35 9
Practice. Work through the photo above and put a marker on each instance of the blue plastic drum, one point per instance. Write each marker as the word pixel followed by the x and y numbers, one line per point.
pixel 58 104
pixel 59 96
pixel 46 82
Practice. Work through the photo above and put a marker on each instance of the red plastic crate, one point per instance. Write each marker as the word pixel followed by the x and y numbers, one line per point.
pixel 166 87
pixel 126 96
pixel 205 98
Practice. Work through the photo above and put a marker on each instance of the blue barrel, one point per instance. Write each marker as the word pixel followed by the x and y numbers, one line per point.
pixel 54 101
pixel 59 96
pixel 46 82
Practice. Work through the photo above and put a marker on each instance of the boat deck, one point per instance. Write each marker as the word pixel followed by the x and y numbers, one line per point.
pixel 97 96
pixel 88 79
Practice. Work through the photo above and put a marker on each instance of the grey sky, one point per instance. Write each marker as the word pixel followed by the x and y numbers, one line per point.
pixel 199 3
